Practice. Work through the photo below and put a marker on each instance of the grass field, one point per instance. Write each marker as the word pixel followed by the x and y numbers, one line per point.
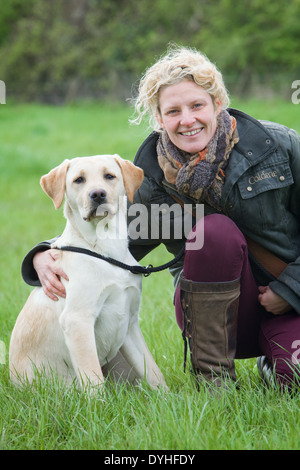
pixel 34 139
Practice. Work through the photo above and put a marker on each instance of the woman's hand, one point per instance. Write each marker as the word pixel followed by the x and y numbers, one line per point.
pixel 272 302
pixel 49 274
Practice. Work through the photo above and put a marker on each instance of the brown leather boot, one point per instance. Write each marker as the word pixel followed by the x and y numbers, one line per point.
pixel 210 325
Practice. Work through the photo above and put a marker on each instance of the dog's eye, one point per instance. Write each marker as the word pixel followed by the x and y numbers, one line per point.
pixel 79 180
pixel 108 176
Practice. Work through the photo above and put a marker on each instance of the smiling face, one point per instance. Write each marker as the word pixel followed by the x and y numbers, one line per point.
pixel 188 115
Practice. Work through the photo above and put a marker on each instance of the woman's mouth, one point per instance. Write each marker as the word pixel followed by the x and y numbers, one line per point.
pixel 191 133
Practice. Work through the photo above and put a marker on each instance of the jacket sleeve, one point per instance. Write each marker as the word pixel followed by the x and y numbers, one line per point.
pixel 287 285
pixel 27 270
pixel 148 216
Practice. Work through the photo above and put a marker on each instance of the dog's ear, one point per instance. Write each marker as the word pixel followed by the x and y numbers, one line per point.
pixel 54 183
pixel 132 176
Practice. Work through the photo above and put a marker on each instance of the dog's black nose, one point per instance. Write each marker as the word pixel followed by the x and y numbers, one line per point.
pixel 98 196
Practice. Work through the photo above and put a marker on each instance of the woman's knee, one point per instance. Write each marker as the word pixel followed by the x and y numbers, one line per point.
pixel 218 233
pixel 222 254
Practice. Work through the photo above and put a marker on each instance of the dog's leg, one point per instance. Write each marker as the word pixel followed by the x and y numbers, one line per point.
pixel 136 352
pixel 80 339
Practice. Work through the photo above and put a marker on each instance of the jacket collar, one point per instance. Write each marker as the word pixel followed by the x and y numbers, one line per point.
pixel 255 141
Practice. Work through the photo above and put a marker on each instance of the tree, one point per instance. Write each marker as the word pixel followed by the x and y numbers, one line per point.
pixel 59 50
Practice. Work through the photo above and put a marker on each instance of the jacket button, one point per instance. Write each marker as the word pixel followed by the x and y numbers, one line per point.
pixel 249 188
pixel 250 153
pixel 268 141
pixel 282 178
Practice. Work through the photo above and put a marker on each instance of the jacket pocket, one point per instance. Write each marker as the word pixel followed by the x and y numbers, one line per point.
pixel 262 178
pixel 264 194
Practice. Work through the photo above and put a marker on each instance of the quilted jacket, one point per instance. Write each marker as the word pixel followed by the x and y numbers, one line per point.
pixel 261 195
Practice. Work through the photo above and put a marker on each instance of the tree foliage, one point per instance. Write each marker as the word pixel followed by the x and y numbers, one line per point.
pixel 58 50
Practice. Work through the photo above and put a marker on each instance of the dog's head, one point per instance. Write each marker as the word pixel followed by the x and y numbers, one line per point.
pixel 93 185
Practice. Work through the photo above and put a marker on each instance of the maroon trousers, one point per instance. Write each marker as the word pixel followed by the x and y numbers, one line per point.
pixel 224 257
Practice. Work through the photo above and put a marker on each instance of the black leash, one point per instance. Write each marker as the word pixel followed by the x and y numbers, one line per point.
pixel 145 270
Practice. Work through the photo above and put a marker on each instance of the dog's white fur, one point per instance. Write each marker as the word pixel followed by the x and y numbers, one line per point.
pixel 75 337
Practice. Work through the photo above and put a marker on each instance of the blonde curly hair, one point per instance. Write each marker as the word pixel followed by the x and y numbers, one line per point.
pixel 179 63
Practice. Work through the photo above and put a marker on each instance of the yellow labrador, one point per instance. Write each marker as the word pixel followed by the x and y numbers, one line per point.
pixel 98 321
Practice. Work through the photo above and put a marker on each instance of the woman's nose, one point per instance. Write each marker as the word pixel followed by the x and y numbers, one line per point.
pixel 187 118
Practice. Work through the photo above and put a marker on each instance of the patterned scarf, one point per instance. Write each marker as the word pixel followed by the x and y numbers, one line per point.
pixel 201 175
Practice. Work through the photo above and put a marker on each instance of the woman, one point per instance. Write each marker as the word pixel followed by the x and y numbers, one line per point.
pixel 238 296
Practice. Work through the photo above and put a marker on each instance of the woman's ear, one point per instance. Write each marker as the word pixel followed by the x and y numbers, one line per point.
pixel 218 106
pixel 159 120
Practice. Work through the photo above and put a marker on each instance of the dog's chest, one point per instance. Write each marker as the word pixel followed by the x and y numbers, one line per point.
pixel 119 307
pixel 109 293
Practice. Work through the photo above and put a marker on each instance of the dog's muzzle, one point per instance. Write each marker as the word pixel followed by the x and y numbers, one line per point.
pixel 98 196
pixel 98 203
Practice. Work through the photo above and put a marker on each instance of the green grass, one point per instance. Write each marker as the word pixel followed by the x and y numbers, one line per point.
pixel 47 416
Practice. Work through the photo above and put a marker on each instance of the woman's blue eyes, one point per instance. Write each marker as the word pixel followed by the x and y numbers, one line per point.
pixel 175 111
